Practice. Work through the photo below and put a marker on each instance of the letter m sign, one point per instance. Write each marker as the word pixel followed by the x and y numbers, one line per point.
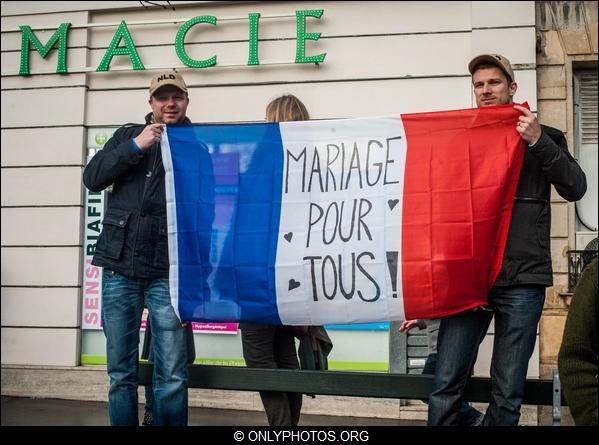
pixel 60 36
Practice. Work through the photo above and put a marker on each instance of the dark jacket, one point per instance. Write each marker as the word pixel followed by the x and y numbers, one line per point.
pixel 527 257
pixel 134 238
pixel 314 349
pixel 578 359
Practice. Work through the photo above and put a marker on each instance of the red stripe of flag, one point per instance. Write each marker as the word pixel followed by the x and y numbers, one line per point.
pixel 461 174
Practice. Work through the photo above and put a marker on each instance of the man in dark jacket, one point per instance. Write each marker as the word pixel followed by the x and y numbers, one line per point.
pixel 517 298
pixel 133 250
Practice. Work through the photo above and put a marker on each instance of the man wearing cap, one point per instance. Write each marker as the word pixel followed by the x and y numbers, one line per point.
pixel 133 250
pixel 516 300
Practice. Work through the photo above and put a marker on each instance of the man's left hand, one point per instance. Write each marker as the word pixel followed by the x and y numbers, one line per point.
pixel 528 126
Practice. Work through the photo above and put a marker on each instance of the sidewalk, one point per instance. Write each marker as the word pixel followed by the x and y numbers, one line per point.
pixel 21 411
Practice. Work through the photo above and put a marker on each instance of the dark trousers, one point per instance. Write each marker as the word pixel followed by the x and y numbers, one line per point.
pixel 517 311
pixel 273 347
pixel 468 415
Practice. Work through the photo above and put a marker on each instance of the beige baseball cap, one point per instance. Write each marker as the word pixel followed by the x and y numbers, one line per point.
pixel 494 59
pixel 167 78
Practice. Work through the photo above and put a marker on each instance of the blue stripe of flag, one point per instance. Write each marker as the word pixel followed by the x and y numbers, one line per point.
pixel 227 181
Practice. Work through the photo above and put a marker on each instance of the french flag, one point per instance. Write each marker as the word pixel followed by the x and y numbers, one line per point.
pixel 339 221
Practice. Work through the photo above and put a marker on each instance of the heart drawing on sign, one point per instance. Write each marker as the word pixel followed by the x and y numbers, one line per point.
pixel 392 203
pixel 293 284
pixel 288 236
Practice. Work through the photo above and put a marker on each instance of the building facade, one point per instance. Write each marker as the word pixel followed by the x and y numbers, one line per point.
pixel 567 99
pixel 381 58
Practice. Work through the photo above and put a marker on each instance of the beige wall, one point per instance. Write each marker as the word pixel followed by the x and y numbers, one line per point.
pixel 382 58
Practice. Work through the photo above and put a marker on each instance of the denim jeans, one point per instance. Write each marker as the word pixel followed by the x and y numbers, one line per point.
pixel 123 300
pixel 517 311
pixel 191 355
pixel 468 415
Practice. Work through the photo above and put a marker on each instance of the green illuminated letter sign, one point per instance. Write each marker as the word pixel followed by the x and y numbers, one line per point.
pixel 253 56
pixel 180 43
pixel 115 50
pixel 302 36
pixel 59 36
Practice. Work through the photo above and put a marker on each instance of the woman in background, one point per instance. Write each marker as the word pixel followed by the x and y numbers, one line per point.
pixel 273 347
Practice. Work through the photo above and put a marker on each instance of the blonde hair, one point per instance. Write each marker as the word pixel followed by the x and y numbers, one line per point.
pixel 286 108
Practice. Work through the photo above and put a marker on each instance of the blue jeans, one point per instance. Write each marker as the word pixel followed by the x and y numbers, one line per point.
pixel 191 355
pixel 468 415
pixel 517 311
pixel 123 300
